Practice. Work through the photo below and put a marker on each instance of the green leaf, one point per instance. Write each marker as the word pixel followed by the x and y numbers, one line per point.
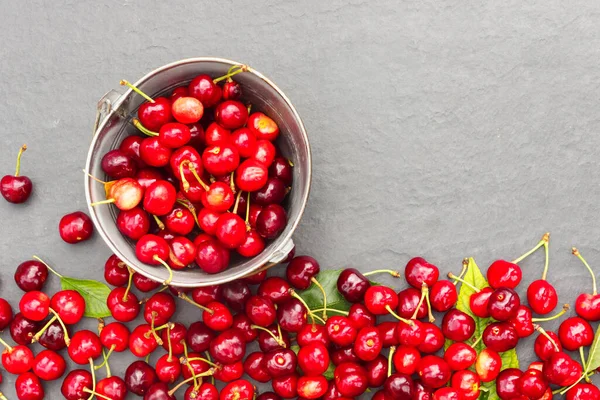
pixel 509 359
pixel 329 373
pixel 593 360
pixel 447 344
pixel 314 297
pixel 94 293
pixel 475 278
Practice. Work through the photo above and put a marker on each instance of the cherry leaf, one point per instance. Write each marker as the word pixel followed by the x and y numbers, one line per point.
pixel 593 360
pixel 93 292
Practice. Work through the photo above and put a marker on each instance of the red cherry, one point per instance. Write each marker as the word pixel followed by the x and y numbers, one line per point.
pixel 231 114
pixel 263 127
pixel 115 336
pixel 443 295
pixel 160 198
pixel 159 308
pixel 398 386
pixel 174 135
pixel 273 192
pixel 271 221
pixel 488 365
pixel 183 252
pixel 503 304
pixel 575 332
pixel 133 223
pixel 546 344
pixel 187 110
pixel 532 384
pixel 130 146
pixel 142 342
pixel 447 393
pixel 231 230
pixel 29 387
pixel 17 360
pixel 408 300
pixel 522 322
pixel 229 347
pixel 251 175
pixel 406 360
pixel 229 372
pixel 503 273
pixel 6 314
pixel 117 165
pixel 467 384
pixel 232 90
pixel 583 391
pixel 206 294
pixel 208 220
pixel 264 152
pixel 433 338
pixel 112 387
pixel 22 329
pixel 75 227
pixel 460 356
pixel 377 371
pixel 14 188
pixel 221 159
pixel 500 337
pixel 148 176
pixel 220 319
pixel 252 245
pixel 168 368
pixel 178 92
pixel 156 114
pixel 31 275
pixel 542 297
pixel 479 301
pixel 123 305
pixel 176 335
pixel 151 249
pixel 254 366
pixel 368 343
pixel 587 305
pixel 216 134
pixel 69 305
pixel 204 89
pixel 507 383
pixel 433 371
pixel 35 305
pixel 281 168
pixel 350 379
pixel 341 331
pixel 313 359
pixel 388 332
pixel 75 383
pixel 139 376
pixel 212 257
pixel 49 365
pixel 186 165
pixel 239 389
pixel 154 153
pixel 458 326
pixel 560 369
pixel 180 221
pixel 260 310
pixel 411 335
pixel 144 284
pixel 245 142
pixel 361 316
pixel 85 345
pixel 418 272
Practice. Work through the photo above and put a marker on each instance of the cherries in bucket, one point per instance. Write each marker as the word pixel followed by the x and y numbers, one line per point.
pixel 203 178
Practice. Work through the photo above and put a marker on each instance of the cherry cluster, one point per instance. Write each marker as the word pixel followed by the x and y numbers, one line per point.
pixel 205 164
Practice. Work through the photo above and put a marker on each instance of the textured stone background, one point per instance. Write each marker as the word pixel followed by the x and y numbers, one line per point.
pixel 439 128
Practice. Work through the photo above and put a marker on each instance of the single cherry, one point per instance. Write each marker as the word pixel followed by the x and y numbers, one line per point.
pixel 460 356
pixel 443 295
pixel 503 273
pixel 117 165
pixel 575 332
pixel 77 385
pixel 85 347
pixel 48 365
pixel 75 227
pixel 503 304
pixel 466 383
pixel 587 305
pixel 16 188
pixel 212 257
pixel 350 379
pixel 433 371
pixel 221 159
pixel 251 175
pixel 507 383
pixel 187 110
pixel 488 365
pixel 458 326
pixel 29 387
pixel 22 329
pixel 271 221
pixel 231 114
pixel 31 275
pixel 139 376
pixel 500 337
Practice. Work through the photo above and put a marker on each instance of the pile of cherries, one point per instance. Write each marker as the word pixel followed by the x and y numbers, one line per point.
pixel 205 178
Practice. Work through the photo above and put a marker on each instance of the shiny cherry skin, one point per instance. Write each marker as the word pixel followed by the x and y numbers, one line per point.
pixel 388 332
pixel 236 294
pixel 447 393
pixel 291 315
pixel 410 335
pixel 124 306
pixel 271 221
pixel 112 387
pixel 433 371
pixel 273 192
pixel 187 110
pixel 312 387
pixel 467 383
pixel 344 355
pixel 182 254
pixel 49 365
pixel 182 162
pixel 587 306
pixel 377 371
pixel 286 387
pixel 460 356
pixel 368 343
pixel 406 359
pixel 503 273
pixel 216 134
pixel 239 389
pixel 168 369
pixel 310 334
pixel 180 221
pixel 204 89
pixel 350 379
pixel 301 270
pixel 85 345
pixel 35 305
pixel 74 384
pixel 115 336
pixel 154 153
pixel 575 332
pixel 542 297
pixel 159 308
pixel 379 298
pixel 75 227
pixel 208 220
pixel 583 391
pixel 263 127
pixel 276 289
pixel 399 386
pixel 255 368
pixel 522 322
pixel 458 326
pixel 264 152
pixel 260 310
pixel 421 391
pixel 16 188
pixel 228 347
pixel 341 331
pixel 158 391
pixel 532 384
pixel 231 114
pixel 206 391
pixel 220 319
pixel 221 159
pixel 244 324
pixel 281 169
pixel 313 359
pixel 53 337
pixel 488 365
pixel 117 165
pixel 29 387
pixel 500 337
pixel 148 176
pixel 280 362
pixel 160 198
pixel 352 284
pixel 125 194
pixel 418 272
pixel 503 304
pixel 408 300
pixel 560 369
pixel 219 197
pixel 267 343
pixel 69 305
pixel 139 376
pixel 130 146
pixel 206 294
pixel 229 372
pixel 6 314
pixel 212 257
pixel 144 284
pixel 360 316
pixel 244 141
pixel 31 275
pixel 443 295
pixel 544 348
pixel 232 90
pixel 156 114
pixel 231 230
pixel 507 383
pixel 17 360
pixel 115 272
pixel 23 329
pixel 478 302
pixel 150 249
pixel 433 339
pixel 177 335
pixel 251 175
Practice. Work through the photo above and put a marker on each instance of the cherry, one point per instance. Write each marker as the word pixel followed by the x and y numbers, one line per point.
pixel 6 314
pixel 503 273
pixel 154 153
pixel 22 329
pixel 410 304
pixel 115 271
pixel 352 284
pixel 125 194
pixel 206 294
pixel 560 369
pixel 239 389
pixel 53 337
pixel 174 338
pixel 467 384
pixel 280 362
pixel 159 308
pixel 388 332
pixel 204 89
pixel 503 304
pixel 255 368
pixel 130 146
pixel 368 343
pixel 148 176
pixel 261 311
pixel 208 220
pixel 422 392
pixel 236 294
pixel 85 346
pixel 244 141
pixel 35 305
pixel 341 331
pixel 143 340
pixel 206 391
pixel 76 385
pixel 546 344
pixel 360 316
pixel 447 393
pixel 433 338
pixel 575 332
pixel 532 384
pixel 411 334
pixel 16 360
pixel 272 338
pixel 180 221
pixel 542 297
pixel 193 364
pixel 187 110
pixel 139 376
pixel 488 365
pixel 583 391
pixel 186 164
pixel 117 165
pixel 377 371
pixel 231 230
pixel 231 114
pixel 399 386
pixel 264 152
pixel 243 323
pixel 301 271
pixel 212 257
pixel 263 127
pixel 433 371
pixel 273 192
pixel 252 245
pixel 256 277
pixel 112 387
pixel 216 134
pixel 309 334
pixel 418 272
pixel 31 275
pixel 313 359
pixel 221 159
pixel 232 90
pixel 69 305
pixel 168 368
pixel 500 336
pixel 251 175
pixel 350 379
pixel 123 305
pixel 460 356
pixel 143 283
pixel 312 387
pixel 75 227
pixel 406 359
pixel 229 372
pixel 15 188
pixel 443 295
pixel 115 336
pixel 29 387
pixel 587 305
pixel 458 326
pixel 344 355
pixel 154 250
pixel 49 365
pixel 523 322
pixel 228 347
pixel 182 254
pixel 507 383
pixel 159 198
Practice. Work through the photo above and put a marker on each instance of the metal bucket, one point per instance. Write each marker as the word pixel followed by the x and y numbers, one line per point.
pixel 113 123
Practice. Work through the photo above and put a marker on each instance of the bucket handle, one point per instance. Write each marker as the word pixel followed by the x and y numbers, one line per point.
pixel 105 107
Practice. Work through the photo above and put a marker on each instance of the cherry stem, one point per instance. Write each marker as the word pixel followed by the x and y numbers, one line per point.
pixel 573 385
pixel 195 173
pixel 92 393
pixel 237 202
pixel 191 209
pixel 164 264
pixel 231 182
pixel 184 360
pixel 62 324
pixel 106 356
pixel 210 372
pixel 135 89
pixel 317 284
pixel 277 339
pixel 346 313
pixel 207 354
pixel 136 122
pixel 8 347
pixel 458 279
pixel 47 266
pixel 184 181
pixel 425 290
pixel 39 334
pixel 248 227
pixel 545 239
pixel 547 262
pixel 399 318
pixel 543 332
pixel 230 73
pixel 582 356
pixel 153 330
pixel 170 357
pixel 93 372
pixel 107 201
pixel 576 253
pixel 424 293
pixel 465 265
pixel 395 274
pixel 126 294
pixel 94 178
pixel 561 313
pixel 2 397
pixel 185 353
pixel 160 224
pixel 184 297
pixel 312 315
pixel 390 356
pixel 477 341
pixel 18 168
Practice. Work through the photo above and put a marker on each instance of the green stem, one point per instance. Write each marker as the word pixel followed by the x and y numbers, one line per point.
pixel 62 324
pixel 47 266
pixel 576 253
pixel 477 341
pixel 582 356
pixel 232 182
pixel 126 294
pixel 136 122
pixel 106 356
pixel 39 334
pixel 561 313
pixel 530 252
pixel 346 313
pixel 184 297
pixel 237 202
pixel 547 262
pixel 399 318
pixel 317 284
pixel 465 264
pixel 164 264
pixel 135 89
pixel 419 304
pixel 278 340
pixel 390 356
pixel 393 273
pixel 21 150
pixel 543 332
pixel 425 289
pixel 230 73
pixel 8 347
pixel 2 397
pixel 92 371
pixel 459 279
pixel 210 372
pixel 184 360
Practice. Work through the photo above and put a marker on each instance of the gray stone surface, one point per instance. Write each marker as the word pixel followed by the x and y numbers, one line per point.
pixel 439 128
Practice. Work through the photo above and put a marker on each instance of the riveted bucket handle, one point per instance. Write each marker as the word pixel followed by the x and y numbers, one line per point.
pixel 105 106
